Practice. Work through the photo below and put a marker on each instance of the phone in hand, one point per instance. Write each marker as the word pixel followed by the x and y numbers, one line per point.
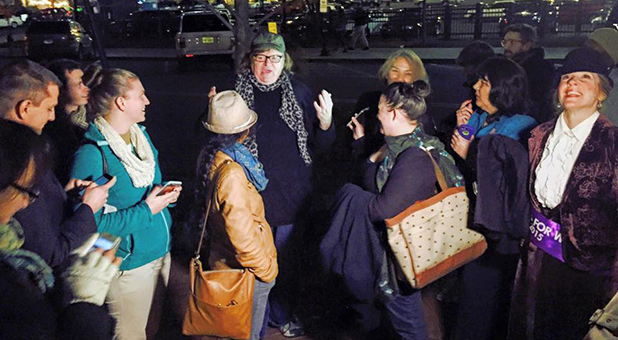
pixel 466 131
pixel 358 114
pixel 99 181
pixel 106 241
pixel 169 186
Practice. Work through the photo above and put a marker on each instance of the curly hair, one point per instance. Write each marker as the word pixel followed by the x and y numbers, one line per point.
pixel 214 143
pixel 509 86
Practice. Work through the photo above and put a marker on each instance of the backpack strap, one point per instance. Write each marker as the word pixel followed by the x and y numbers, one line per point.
pixel 98 145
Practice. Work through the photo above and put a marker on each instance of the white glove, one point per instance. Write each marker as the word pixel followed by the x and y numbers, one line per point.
pixel 89 278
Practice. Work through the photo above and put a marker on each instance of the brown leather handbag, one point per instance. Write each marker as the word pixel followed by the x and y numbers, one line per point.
pixel 221 301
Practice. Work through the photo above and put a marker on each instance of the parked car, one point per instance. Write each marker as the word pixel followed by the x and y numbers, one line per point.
pixel 13 21
pixel 569 13
pixel 534 13
pixel 408 24
pixel 491 13
pixel 608 17
pixel 58 38
pixel 153 23
pixel 202 34
pixel 52 14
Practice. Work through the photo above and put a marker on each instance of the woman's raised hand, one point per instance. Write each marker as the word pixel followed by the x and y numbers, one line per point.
pixel 464 112
pixel 460 145
pixel 358 130
pixel 324 109
pixel 212 92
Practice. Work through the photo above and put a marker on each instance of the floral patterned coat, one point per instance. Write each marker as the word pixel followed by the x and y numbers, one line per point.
pixel 588 215
pixel 588 212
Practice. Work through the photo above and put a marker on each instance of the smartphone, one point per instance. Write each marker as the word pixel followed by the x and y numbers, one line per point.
pixel 99 181
pixel 106 241
pixel 169 186
pixel 357 114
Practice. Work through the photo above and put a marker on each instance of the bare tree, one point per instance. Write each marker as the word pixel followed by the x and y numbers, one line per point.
pixel 242 28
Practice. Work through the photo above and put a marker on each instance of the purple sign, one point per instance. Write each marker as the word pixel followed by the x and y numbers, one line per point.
pixel 546 235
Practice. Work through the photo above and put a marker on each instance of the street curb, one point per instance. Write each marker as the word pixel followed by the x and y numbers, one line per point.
pixel 443 55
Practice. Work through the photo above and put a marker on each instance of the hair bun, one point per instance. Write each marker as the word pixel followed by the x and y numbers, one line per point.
pixel 420 88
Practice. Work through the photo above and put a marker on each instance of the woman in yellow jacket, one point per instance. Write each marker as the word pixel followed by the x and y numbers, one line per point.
pixel 239 235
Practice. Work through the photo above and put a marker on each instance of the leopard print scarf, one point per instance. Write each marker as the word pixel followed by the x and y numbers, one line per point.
pixel 290 110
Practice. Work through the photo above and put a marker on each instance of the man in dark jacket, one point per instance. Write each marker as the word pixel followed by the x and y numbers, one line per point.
pixel 28 95
pixel 520 46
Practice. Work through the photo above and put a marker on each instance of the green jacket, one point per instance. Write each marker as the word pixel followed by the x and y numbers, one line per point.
pixel 145 237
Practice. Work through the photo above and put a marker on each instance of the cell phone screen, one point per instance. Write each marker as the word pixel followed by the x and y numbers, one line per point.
pixel 103 243
pixel 168 187
pixel 103 180
pixel 99 181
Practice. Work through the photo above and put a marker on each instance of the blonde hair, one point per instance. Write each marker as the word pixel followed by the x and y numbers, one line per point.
pixel 412 58
pixel 106 87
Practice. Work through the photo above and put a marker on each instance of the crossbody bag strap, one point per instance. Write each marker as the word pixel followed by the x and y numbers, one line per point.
pixel 211 194
pixel 438 171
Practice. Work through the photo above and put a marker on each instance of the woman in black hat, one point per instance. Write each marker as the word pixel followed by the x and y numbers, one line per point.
pixel 569 268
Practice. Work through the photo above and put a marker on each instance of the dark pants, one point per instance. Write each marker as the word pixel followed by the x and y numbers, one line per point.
pixel 566 298
pixel 484 306
pixel 406 315
pixel 284 295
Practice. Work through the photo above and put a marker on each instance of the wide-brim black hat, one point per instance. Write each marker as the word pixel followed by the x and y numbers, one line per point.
pixel 585 60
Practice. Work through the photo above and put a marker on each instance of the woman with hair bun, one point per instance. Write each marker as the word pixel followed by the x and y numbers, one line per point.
pixel 399 174
pixel 403 65
pixel 136 209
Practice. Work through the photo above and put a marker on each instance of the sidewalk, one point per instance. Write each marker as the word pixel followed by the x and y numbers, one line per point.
pixel 427 54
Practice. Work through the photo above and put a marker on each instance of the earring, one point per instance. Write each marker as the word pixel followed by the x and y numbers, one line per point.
pixel 599 105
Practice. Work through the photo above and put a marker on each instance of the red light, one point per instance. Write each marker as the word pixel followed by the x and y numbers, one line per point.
pixel 189 56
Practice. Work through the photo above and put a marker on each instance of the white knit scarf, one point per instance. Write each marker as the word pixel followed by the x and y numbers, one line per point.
pixel 139 165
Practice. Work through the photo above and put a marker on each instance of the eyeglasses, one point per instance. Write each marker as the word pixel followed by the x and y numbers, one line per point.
pixel 510 42
pixel 275 58
pixel 32 194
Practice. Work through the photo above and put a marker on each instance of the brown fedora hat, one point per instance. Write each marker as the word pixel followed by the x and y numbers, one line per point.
pixel 229 114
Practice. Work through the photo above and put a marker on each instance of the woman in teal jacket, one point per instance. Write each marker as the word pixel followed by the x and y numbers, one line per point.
pixel 135 211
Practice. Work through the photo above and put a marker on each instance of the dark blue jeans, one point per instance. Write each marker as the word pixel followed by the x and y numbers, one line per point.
pixel 406 314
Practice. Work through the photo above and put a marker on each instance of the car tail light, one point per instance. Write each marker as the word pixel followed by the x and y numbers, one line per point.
pixel 181 42
pixel 189 56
